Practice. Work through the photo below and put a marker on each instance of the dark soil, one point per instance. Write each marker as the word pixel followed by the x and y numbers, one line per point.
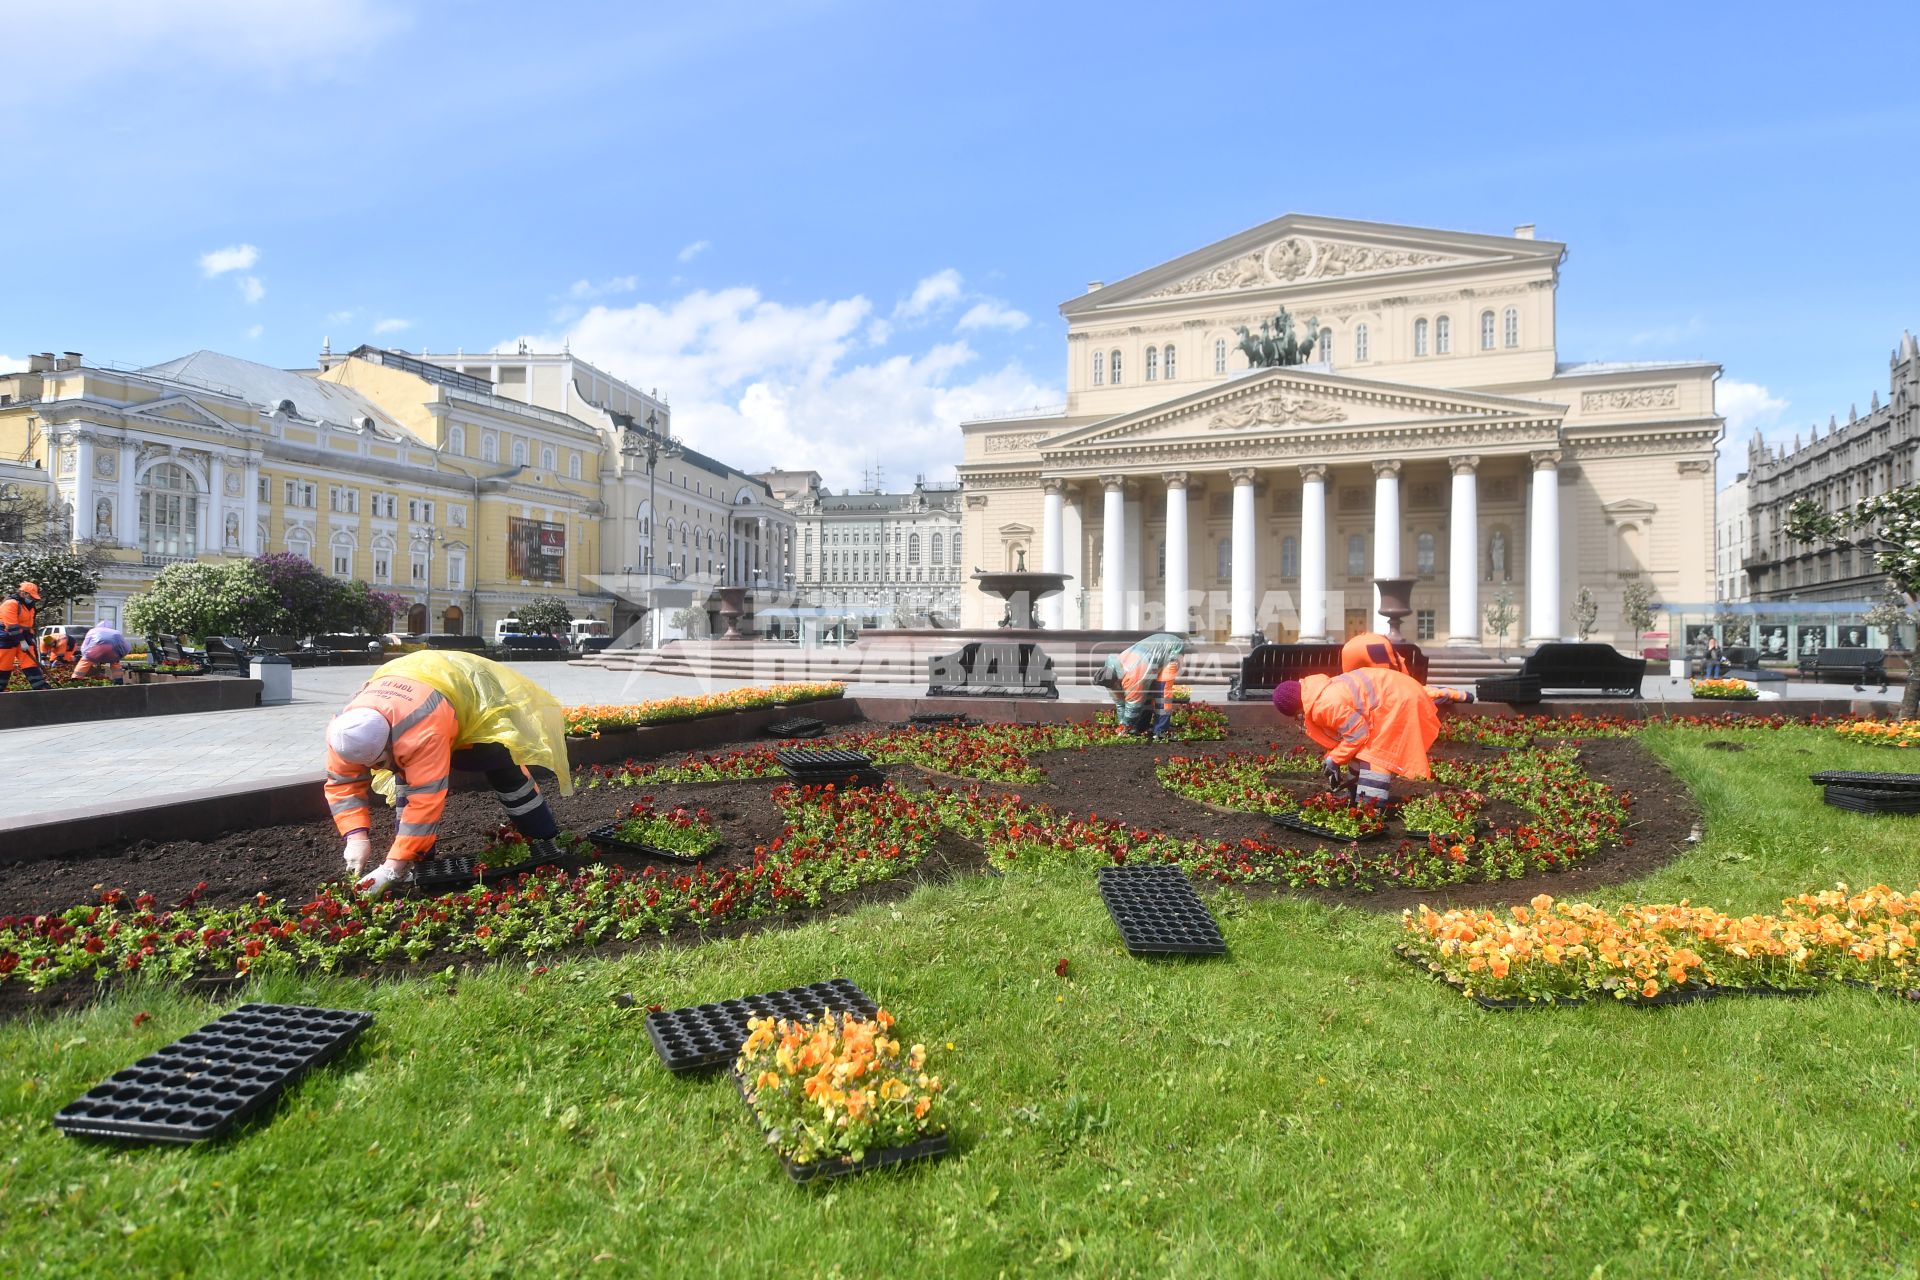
pixel 1116 783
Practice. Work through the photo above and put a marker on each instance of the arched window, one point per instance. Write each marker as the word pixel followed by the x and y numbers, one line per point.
pixel 457 440
pixel 935 558
pixel 573 466
pixel 1420 337
pixel 1423 555
pixel 343 555
pixel 300 543
pixel 1360 355
pixel 953 553
pixel 1223 559
pixel 489 448
pixel 1486 330
pixel 1289 557
pixel 519 453
pixel 1153 364
pixel 169 512
pixel 383 559
pixel 1099 368
pixel 546 459
pixel 1512 323
pixel 1323 346
pixel 1356 555
pixel 1443 336
pixel 1219 355
pixel 1166 357
pixel 913 548
pixel 1113 362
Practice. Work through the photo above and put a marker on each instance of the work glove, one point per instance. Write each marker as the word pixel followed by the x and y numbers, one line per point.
pixel 383 876
pixel 1467 695
pixel 358 853
pixel 1335 774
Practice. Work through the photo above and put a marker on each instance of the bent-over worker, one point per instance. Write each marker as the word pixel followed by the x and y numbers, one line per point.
pixel 1371 649
pixel 56 650
pixel 1375 724
pixel 17 652
pixel 1141 682
pixel 103 648
pixel 417 719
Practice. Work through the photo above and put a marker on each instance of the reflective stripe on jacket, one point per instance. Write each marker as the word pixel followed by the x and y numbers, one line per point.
pixel 1154 660
pixel 424 730
pixel 1381 718
pixel 16 620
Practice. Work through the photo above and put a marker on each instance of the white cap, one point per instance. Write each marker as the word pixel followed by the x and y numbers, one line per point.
pixel 359 735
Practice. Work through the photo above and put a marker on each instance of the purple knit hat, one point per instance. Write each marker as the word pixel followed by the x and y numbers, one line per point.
pixel 1286 698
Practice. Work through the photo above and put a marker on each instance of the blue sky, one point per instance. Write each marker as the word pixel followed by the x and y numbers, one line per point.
pixel 828 231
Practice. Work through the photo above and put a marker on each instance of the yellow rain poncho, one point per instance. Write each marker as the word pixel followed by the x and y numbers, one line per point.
pixel 491 703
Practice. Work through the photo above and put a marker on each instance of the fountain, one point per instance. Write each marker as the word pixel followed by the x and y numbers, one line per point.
pixel 1020 588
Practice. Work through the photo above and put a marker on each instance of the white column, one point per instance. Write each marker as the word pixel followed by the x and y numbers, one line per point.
pixel 1463 555
pixel 1543 549
pixel 1178 616
pixel 1136 562
pixel 1053 557
pixel 216 540
pixel 1313 553
pixel 1244 532
pixel 1386 529
pixel 1113 554
pixel 1074 560
pixel 83 487
pixel 126 515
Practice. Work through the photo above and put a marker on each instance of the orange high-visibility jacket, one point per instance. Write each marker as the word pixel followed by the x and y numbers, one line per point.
pixel 1382 718
pixel 1154 660
pixel 16 618
pixel 1371 649
pixel 57 648
pixel 423 737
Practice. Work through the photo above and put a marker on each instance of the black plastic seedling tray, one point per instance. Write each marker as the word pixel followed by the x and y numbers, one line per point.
pixel 1906 782
pixel 1306 828
pixel 928 1148
pixel 1871 800
pixel 710 1035
pixel 820 766
pixel 205 1083
pixel 444 873
pixel 1158 913
pixel 604 836
pixel 934 719
pixel 797 727
pixel 1411 833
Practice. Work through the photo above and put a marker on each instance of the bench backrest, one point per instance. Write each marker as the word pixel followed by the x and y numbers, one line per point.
pixel 1850 657
pixel 1271 664
pixel 1576 664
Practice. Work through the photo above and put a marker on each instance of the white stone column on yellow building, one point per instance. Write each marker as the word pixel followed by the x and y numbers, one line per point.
pixel 1386 529
pixel 1113 553
pixel 1053 557
pixel 1543 549
pixel 1178 619
pixel 250 509
pixel 1136 561
pixel 83 485
pixel 1245 532
pixel 1073 549
pixel 1463 553
pixel 213 519
pixel 1313 553
pixel 126 516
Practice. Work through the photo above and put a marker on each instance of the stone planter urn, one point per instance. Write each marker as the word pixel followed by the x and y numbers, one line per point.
pixel 1396 602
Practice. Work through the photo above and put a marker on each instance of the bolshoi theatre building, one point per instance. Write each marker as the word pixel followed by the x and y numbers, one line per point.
pixel 1433 432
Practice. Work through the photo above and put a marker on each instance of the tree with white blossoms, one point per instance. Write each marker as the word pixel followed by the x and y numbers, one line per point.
pixel 1636 609
pixel 1888 525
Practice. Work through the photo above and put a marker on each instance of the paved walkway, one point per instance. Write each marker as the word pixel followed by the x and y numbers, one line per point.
pixel 59 770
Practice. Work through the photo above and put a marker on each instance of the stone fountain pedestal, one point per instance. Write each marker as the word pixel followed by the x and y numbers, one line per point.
pixel 1021 588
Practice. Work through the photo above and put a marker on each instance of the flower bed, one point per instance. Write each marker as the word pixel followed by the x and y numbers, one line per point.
pixel 679 830
pixel 1339 818
pixel 1559 952
pixel 1234 781
pixel 1727 689
pixel 837 1094
pixel 1443 813
pixel 592 721
pixel 58 677
pixel 1881 733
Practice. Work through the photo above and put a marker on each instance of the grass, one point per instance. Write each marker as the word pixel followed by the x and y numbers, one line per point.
pixel 1306 1106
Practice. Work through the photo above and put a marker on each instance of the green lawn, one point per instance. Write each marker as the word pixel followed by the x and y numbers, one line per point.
pixel 1306 1106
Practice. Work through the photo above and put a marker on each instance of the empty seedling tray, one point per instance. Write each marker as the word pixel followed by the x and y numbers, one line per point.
pixel 1158 913
pixel 205 1083
pixel 1868 781
pixel 825 765
pixel 1871 800
pixel 709 1035
pixel 797 727
pixel 606 837
pixel 931 1147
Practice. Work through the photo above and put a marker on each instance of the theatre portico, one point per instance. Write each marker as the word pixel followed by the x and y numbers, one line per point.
pixel 1433 435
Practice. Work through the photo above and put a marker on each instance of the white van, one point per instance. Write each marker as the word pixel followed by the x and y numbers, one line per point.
pixel 506 627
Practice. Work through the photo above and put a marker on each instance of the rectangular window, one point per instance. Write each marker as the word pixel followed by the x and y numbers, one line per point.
pixel 344 501
pixel 419 512
pixel 1357 555
pixel 1423 624
pixel 456 569
pixel 265 490
pixel 301 493
pixel 382 567
pixel 342 563
pixel 419 571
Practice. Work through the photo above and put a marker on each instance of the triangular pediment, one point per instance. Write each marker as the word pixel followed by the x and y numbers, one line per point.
pixel 1285 401
pixel 182 409
pixel 1298 250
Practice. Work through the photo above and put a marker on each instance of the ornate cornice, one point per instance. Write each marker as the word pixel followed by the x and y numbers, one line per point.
pixel 1296 259
pixel 1630 399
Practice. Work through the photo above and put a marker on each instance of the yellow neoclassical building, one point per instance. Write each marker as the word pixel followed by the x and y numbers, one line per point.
pixel 1434 432
pixel 412 477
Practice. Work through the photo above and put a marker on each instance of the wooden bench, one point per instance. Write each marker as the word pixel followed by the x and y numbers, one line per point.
pixel 1856 665
pixel 227 653
pixel 1269 665
pixel 1585 668
pixel 993 669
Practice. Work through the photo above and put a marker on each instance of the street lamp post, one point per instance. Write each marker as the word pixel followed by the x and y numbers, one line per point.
pixel 650 448
pixel 429 537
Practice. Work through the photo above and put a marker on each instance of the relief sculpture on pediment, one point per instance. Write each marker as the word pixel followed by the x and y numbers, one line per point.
pixel 1276 411
pixel 1298 258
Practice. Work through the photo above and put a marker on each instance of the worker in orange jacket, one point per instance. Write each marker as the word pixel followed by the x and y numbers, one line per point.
pixel 1141 682
pixel 1375 724
pixel 1371 649
pixel 17 652
pixel 56 651
pixel 402 723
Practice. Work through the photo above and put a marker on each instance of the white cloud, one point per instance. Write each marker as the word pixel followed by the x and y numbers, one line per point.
pixel 8 364
pixel 255 331
pixel 879 332
pixel 938 290
pixel 760 383
pixel 340 317
pixel 994 315
pixel 235 257
pixel 1747 407
pixel 391 324
pixel 694 250
pixel 251 289
pixel 1668 335
pixel 584 289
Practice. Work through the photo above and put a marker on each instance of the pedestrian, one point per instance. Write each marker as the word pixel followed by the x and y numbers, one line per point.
pixel 1375 724
pixel 1141 682
pixel 102 649
pixel 1715 664
pixel 17 651
pixel 420 717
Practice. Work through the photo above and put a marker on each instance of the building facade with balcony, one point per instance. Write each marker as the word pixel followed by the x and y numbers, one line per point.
pixel 1864 457
pixel 1434 434
pixel 886 559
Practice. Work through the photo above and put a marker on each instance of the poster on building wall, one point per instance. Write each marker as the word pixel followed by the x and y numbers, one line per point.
pixel 536 550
